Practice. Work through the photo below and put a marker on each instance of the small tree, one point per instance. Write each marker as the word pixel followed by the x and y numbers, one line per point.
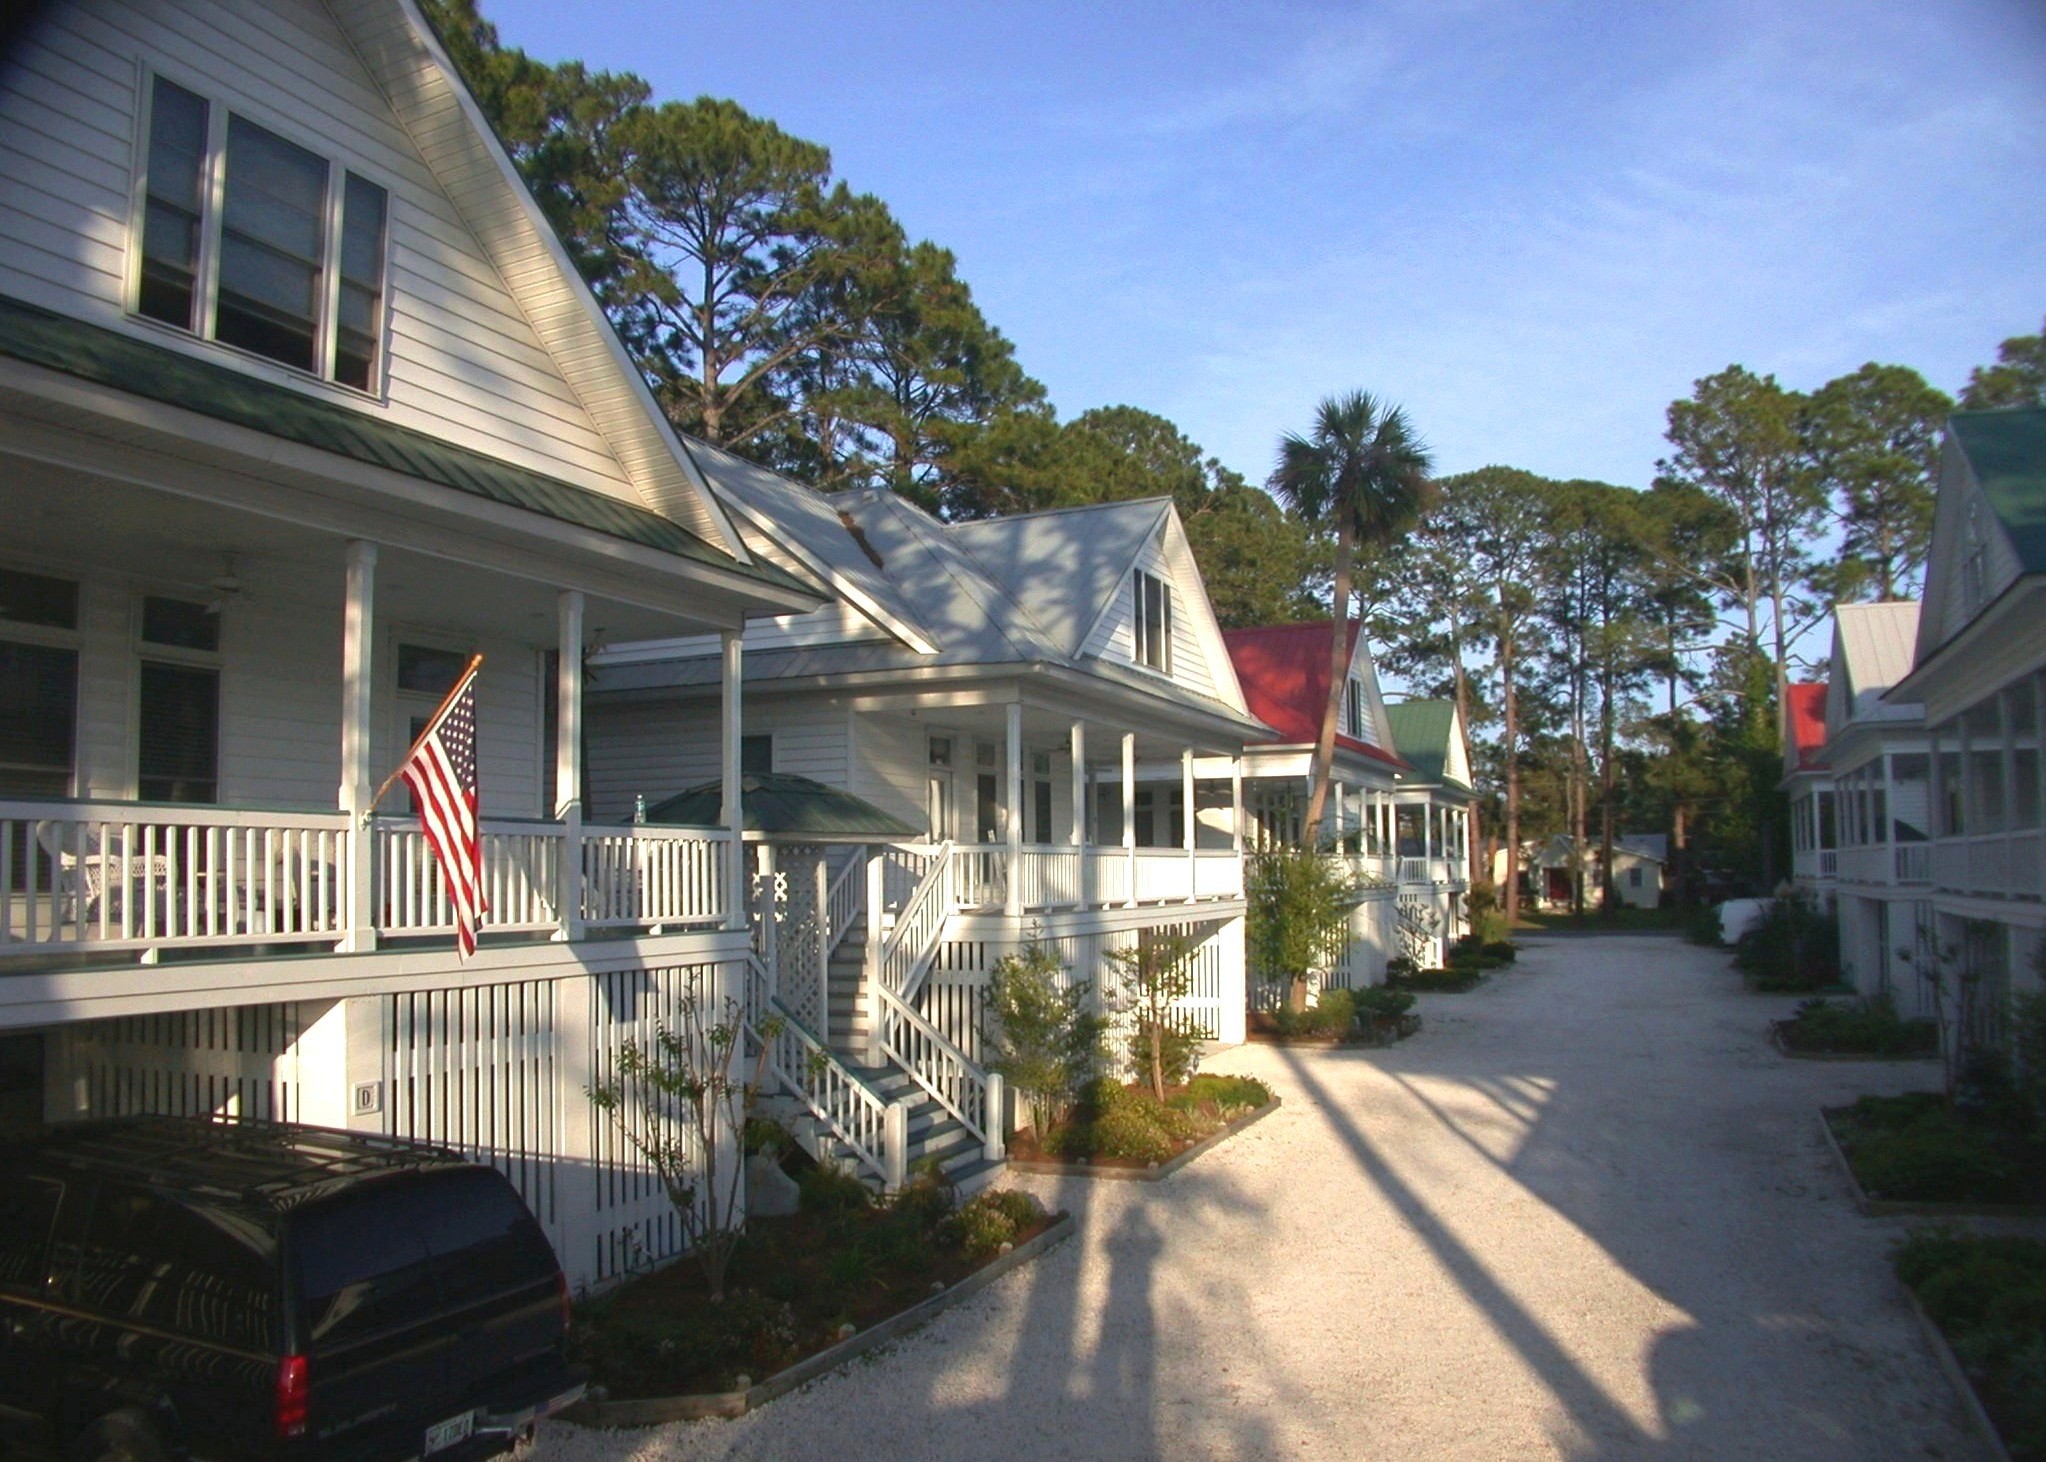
pixel 1157 972
pixel 1045 1042
pixel 682 1107
pixel 1298 900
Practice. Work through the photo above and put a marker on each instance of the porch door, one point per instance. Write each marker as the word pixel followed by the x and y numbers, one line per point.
pixel 38 685
pixel 938 790
pixel 177 756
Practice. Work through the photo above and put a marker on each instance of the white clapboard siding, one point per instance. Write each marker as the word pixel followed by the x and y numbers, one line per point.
pixel 655 751
pixel 891 764
pixel 464 362
pixel 1114 637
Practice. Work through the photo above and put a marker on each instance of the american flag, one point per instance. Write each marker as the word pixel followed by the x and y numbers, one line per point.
pixel 441 771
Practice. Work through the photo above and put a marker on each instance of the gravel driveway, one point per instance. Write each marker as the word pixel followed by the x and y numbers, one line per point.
pixel 1586 1212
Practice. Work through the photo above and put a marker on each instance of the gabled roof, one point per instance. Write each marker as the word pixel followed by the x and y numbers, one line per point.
pixel 143 368
pixel 2006 450
pixel 1094 548
pixel 1423 731
pixel 1283 669
pixel 1805 726
pixel 434 105
pixel 1873 646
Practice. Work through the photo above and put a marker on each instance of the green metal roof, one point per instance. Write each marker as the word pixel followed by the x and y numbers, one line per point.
pixel 778 803
pixel 2007 450
pixel 1420 734
pixel 143 368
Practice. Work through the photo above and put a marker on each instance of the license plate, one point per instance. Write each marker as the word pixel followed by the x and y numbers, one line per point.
pixel 442 1435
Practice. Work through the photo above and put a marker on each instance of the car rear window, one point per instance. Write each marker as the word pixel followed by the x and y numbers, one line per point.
pixel 395 1252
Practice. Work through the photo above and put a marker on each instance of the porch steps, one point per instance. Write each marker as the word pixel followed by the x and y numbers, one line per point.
pixel 844 992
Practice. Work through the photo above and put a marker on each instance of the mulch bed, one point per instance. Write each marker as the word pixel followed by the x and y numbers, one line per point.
pixel 789 1293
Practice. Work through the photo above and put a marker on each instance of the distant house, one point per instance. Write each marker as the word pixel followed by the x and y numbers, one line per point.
pixel 1550 868
pixel 1045 700
pixel 1979 671
pixel 1878 753
pixel 1808 783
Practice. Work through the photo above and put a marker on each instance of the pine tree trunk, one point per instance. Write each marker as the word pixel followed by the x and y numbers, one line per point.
pixel 1339 664
pixel 1511 708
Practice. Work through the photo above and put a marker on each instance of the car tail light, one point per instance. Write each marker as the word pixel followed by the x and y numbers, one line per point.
pixel 294 1395
pixel 561 1294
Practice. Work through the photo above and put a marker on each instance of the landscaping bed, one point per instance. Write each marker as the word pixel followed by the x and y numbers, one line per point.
pixel 1470 961
pixel 797 1286
pixel 1869 1029
pixel 1113 1125
pixel 1918 1149
pixel 1376 1016
pixel 1987 1295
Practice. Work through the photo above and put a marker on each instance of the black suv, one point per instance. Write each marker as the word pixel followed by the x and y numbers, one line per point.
pixel 179 1287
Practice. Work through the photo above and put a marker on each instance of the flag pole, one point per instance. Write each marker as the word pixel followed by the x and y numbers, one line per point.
pixel 432 722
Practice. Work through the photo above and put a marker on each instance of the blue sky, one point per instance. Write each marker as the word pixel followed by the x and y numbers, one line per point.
pixel 1532 225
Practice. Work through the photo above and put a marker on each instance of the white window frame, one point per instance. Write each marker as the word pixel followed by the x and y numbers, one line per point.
pixel 1140 646
pixel 206 274
pixel 184 658
pixel 1353 707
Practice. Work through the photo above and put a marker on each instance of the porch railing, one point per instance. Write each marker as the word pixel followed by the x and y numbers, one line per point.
pixel 875 1131
pixel 1078 878
pixel 118 876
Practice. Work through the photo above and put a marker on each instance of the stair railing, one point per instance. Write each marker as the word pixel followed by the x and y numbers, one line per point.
pixel 909 948
pixel 971 1094
pixel 843 902
pixel 875 1129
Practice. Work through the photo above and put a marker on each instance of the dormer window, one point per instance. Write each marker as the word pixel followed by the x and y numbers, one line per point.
pixel 1974 574
pixel 253 241
pixel 1153 621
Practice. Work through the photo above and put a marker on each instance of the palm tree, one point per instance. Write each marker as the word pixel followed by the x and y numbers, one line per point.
pixel 1362 475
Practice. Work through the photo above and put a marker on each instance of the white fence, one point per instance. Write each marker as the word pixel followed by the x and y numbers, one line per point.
pixel 1080 878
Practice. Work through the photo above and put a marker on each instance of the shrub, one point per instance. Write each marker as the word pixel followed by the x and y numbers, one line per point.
pixel 1297 902
pixel 1703 927
pixel 2028 1044
pixel 991 1219
pixel 1232 1095
pixel 1335 1011
pixel 1503 950
pixel 1862 1028
pixel 1488 920
pixel 1382 1002
pixel 1989 1295
pixel 1933 1158
pixel 1440 980
pixel 1792 946
pixel 1155 974
pixel 1042 1039
pixel 832 1190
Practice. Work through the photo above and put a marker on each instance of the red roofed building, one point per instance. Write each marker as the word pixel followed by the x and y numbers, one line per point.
pixel 1808 781
pixel 1400 814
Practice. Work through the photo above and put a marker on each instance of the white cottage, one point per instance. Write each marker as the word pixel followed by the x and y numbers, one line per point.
pixel 1044 700
pixel 301 403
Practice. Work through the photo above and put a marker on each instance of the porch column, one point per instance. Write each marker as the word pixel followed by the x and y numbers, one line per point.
pixel 734 814
pixel 568 779
pixel 1012 823
pixel 1186 822
pixel 358 681
pixel 1083 875
pixel 1129 812
pixel 1236 805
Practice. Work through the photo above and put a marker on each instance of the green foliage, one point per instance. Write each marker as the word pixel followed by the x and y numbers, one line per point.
pixel 1333 1014
pixel 1488 920
pixel 1793 946
pixel 2028 1047
pixel 1872 440
pixel 2017 379
pixel 1870 1028
pixel 640 1354
pixel 1453 981
pixel 1154 975
pixel 1298 902
pixel 1503 950
pixel 1039 1032
pixel 1916 1149
pixel 831 1190
pixel 991 1219
pixel 1232 1096
pixel 1703 926
pixel 1122 1123
pixel 1988 1293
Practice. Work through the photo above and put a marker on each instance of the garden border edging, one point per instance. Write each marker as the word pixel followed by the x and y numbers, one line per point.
pixel 1899 1208
pixel 653 1410
pixel 1943 1352
pixel 1148 1175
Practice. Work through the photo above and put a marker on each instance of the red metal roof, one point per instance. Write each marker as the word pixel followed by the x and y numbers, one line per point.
pixel 1806 709
pixel 1283 669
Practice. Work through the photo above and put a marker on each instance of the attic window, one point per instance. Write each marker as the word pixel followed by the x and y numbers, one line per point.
pixel 1974 575
pixel 1152 618
pixel 1353 708
pixel 251 240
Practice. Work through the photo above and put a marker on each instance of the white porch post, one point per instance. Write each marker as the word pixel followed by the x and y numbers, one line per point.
pixel 1236 805
pixel 358 681
pixel 1186 822
pixel 1083 875
pixel 1129 811
pixel 1012 821
pixel 568 784
pixel 734 815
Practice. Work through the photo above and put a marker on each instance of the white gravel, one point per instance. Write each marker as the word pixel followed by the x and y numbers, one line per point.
pixel 1585 1213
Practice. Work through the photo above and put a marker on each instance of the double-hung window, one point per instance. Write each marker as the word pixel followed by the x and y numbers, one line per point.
pixel 177 752
pixel 38 683
pixel 1153 620
pixel 249 239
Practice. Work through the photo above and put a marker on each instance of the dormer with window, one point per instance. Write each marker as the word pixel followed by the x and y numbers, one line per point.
pixel 1152 620
pixel 250 240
